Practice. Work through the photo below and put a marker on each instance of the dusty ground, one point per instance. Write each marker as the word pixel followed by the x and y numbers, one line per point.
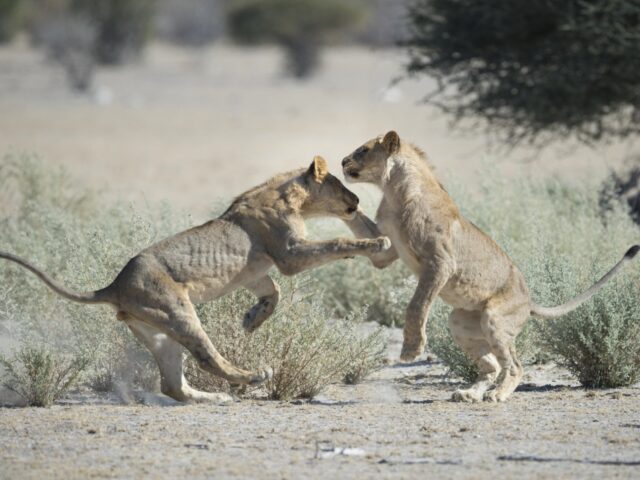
pixel 193 126
pixel 397 424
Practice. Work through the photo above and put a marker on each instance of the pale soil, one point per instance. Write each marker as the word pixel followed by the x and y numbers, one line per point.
pixel 397 424
pixel 192 127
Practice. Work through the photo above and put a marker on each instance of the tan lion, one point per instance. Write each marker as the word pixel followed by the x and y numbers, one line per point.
pixel 454 259
pixel 155 292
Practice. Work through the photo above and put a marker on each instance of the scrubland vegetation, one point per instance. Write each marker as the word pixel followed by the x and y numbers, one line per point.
pixel 558 235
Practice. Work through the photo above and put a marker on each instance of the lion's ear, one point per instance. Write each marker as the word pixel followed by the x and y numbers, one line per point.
pixel 318 169
pixel 391 142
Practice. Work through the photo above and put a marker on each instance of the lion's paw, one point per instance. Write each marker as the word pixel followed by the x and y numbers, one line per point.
pixel 380 244
pixel 266 374
pixel 467 396
pixel 494 396
pixel 409 355
pixel 411 351
pixel 221 398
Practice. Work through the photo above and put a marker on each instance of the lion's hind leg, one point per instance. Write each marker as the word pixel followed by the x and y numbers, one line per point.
pixel 268 294
pixel 500 332
pixel 169 357
pixel 177 318
pixel 467 333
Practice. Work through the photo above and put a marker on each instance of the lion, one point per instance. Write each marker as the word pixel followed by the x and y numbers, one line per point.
pixel 155 292
pixel 453 259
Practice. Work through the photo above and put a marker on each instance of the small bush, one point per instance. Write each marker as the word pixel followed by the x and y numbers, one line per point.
pixel 622 186
pixel 352 284
pixel 305 347
pixel 39 375
pixel 69 42
pixel 300 27
pixel 600 342
pixel 122 26
pixel 9 10
pixel 193 23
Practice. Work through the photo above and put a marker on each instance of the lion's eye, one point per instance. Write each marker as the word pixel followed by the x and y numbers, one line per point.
pixel 362 150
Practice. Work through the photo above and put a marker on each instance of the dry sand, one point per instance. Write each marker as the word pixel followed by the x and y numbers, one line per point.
pixel 397 424
pixel 190 127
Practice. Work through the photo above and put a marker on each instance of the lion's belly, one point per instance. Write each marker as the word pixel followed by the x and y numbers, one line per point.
pixel 462 295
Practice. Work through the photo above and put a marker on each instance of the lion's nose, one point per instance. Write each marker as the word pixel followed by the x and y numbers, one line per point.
pixel 345 160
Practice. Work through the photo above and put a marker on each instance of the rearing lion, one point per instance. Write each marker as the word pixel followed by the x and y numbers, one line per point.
pixel 155 292
pixel 454 259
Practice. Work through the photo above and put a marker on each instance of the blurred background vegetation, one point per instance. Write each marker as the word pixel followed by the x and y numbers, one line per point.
pixel 533 71
pixel 83 33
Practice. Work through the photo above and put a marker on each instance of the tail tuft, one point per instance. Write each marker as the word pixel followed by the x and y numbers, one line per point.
pixel 632 252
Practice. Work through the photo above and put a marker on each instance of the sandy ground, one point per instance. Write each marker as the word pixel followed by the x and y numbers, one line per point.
pixel 397 424
pixel 190 127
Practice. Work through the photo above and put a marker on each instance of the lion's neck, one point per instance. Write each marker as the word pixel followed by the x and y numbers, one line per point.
pixel 408 178
pixel 412 189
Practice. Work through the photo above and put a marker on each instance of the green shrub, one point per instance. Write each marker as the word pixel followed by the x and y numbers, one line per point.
pixel 8 19
pixel 600 342
pixel 298 26
pixel 355 283
pixel 306 348
pixel 122 26
pixel 39 375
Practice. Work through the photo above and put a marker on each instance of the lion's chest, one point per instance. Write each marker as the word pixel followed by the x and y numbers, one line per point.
pixel 391 228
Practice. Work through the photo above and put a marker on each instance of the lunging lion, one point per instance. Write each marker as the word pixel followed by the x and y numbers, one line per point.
pixel 454 259
pixel 155 292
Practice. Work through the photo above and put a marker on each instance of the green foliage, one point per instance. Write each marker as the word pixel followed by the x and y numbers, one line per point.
pixel 298 26
pixel 9 10
pixel 39 375
pixel 351 284
pixel 600 342
pixel 122 26
pixel 305 347
pixel 622 187
pixel 534 70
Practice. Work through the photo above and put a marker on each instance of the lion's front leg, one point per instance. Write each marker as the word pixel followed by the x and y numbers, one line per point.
pixel 429 285
pixel 363 227
pixel 303 255
pixel 268 294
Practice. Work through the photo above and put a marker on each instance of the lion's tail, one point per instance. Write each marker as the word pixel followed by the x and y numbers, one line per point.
pixel 99 296
pixel 554 312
